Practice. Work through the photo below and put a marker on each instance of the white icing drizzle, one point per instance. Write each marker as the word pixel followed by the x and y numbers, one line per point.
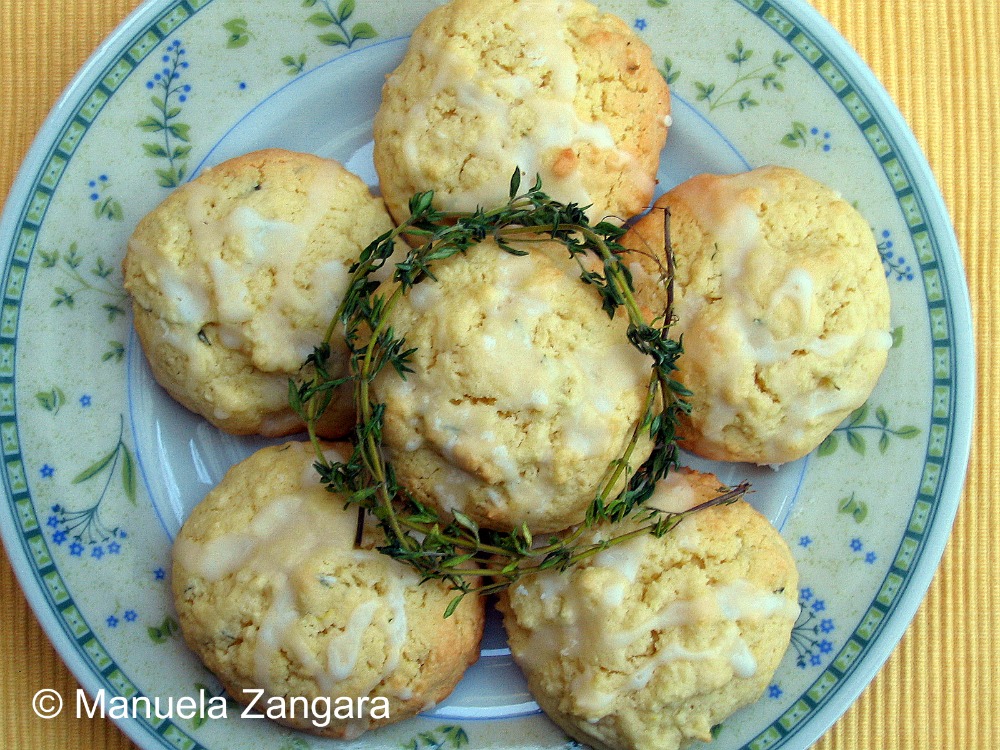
pixel 740 342
pixel 244 277
pixel 464 431
pixel 521 123
pixel 284 535
pixel 571 630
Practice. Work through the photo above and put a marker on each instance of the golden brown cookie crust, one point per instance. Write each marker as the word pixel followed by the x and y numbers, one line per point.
pixel 235 277
pixel 783 306
pixel 649 645
pixel 523 389
pixel 272 594
pixel 557 88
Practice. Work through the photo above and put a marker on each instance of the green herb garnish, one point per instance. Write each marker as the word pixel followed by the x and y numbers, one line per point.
pixel 456 549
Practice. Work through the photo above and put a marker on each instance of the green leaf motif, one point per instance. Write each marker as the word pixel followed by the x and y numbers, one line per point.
pixel 658 3
pixel 295 64
pixel 150 124
pixel 115 352
pixel 52 400
pixel 746 101
pixel 321 19
pixel 859 415
pixel 109 209
pixel 897 337
pixel 73 258
pixel 853 507
pixel 667 71
pixel 332 39
pixel 128 474
pixel 856 442
pixel 164 632
pixel 170 178
pixel 155 150
pixel 362 31
pixel 180 131
pixel 858 422
pixel 342 36
pixel 764 74
pixel 345 10
pixel 741 55
pixel 95 468
pixel 704 90
pixel 101 270
pixel 239 34
pixel 63 297
pixel 447 736
pixel 828 446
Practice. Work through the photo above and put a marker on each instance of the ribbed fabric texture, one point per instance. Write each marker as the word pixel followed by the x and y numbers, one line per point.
pixel 937 58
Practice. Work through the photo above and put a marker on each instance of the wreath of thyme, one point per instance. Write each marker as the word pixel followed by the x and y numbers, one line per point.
pixel 454 548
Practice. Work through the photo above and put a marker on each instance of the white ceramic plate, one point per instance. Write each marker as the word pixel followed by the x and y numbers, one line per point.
pixel 100 467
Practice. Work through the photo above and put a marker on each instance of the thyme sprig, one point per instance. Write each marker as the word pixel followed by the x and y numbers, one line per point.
pixel 455 548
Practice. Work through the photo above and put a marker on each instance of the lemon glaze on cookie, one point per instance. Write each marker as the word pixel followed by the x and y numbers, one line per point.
pixel 234 278
pixel 782 304
pixel 523 389
pixel 273 594
pixel 554 87
pixel 648 645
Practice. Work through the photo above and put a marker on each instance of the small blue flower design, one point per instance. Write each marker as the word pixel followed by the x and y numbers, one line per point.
pixel 169 94
pixel 159 574
pixel 805 541
pixel 870 558
pixel 53 521
pixel 805 138
pixel 807 633
pixel 826 138
pixel 130 615
pixel 640 23
pixel 856 544
pixel 112 621
pixel 114 548
pixel 59 537
pixel 97 552
pixel 46 471
pixel 773 691
pixel 85 401
pixel 895 265
pixel 242 86
pixel 76 549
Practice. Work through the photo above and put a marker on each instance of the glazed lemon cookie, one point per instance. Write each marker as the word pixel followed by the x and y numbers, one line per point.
pixel 651 643
pixel 523 389
pixel 783 306
pixel 554 87
pixel 235 277
pixel 273 594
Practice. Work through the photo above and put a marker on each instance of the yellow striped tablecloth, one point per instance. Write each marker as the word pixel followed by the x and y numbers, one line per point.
pixel 938 59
